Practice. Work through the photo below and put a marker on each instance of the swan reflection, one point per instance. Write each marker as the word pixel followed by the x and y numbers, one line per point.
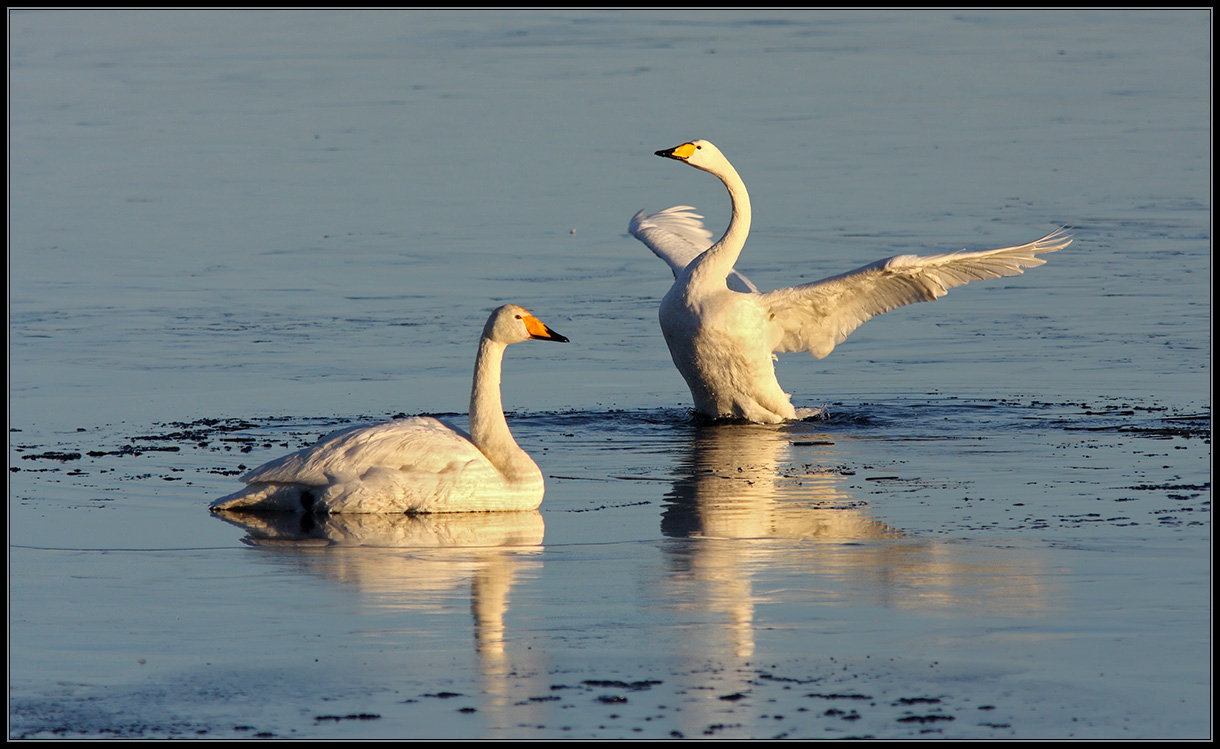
pixel 768 522
pixel 417 563
pixel 428 530
pixel 740 481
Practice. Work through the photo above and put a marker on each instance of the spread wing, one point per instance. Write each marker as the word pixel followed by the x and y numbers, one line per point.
pixel 677 236
pixel 818 316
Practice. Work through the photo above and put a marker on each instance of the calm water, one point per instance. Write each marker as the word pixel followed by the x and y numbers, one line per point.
pixel 231 232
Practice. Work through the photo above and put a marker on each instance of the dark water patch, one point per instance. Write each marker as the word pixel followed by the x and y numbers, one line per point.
pixel 128 450
pixel 952 418
pixel 53 455
pixel 933 718
pixel 632 686
pixel 1190 428
pixel 92 718
pixel 612 422
pixel 196 431
pixel 1173 487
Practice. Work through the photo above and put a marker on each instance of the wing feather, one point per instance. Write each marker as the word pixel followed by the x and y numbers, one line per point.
pixel 678 236
pixel 818 316
pixel 421 443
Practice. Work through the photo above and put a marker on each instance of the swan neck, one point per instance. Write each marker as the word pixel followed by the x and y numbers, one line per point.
pixel 488 427
pixel 719 259
pixel 739 224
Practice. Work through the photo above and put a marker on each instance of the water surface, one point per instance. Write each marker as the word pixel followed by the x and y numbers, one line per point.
pixel 231 232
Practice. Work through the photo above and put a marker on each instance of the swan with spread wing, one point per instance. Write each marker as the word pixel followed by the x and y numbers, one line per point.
pixel 723 333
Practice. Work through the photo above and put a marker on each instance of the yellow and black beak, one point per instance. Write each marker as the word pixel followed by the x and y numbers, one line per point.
pixel 678 153
pixel 540 331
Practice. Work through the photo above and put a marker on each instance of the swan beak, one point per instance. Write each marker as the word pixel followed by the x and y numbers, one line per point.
pixel 678 153
pixel 540 331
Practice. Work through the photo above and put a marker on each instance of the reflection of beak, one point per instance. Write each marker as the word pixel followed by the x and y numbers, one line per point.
pixel 678 153
pixel 541 332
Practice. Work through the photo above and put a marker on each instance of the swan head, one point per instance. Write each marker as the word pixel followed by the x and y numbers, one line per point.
pixel 514 324
pixel 700 154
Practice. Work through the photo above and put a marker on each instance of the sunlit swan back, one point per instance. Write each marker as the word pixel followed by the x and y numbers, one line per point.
pixel 419 464
pixel 723 333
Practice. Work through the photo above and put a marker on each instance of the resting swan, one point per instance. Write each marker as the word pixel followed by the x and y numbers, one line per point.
pixel 723 333
pixel 413 465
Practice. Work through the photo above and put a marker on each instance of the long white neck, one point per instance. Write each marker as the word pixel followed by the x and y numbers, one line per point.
pixel 488 427
pixel 715 264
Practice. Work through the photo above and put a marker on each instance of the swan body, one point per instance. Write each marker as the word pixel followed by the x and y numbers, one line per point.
pixel 723 333
pixel 413 465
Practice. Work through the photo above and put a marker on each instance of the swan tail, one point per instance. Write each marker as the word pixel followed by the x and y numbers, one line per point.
pixel 263 497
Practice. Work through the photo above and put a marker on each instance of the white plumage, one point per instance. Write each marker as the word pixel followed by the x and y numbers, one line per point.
pixel 418 464
pixel 677 236
pixel 723 333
